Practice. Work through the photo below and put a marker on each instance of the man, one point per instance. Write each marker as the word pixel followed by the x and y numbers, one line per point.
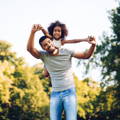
pixel 58 63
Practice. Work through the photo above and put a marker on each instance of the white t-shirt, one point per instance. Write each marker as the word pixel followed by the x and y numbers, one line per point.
pixel 57 43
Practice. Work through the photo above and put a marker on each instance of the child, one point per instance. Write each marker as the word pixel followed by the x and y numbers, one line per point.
pixel 57 32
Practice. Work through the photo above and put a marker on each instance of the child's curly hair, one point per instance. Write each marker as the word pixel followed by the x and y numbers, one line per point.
pixel 63 29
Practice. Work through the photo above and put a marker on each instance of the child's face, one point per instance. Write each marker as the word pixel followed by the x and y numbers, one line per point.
pixel 57 32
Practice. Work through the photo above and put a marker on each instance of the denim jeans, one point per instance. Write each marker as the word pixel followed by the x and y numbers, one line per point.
pixel 63 101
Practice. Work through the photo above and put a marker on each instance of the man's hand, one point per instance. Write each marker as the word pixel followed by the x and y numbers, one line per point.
pixel 36 27
pixel 30 45
pixel 92 40
pixel 87 54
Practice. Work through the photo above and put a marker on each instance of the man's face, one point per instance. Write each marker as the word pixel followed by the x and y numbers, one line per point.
pixel 48 45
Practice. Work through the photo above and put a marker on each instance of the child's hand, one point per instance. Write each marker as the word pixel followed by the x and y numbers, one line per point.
pixel 55 52
pixel 91 40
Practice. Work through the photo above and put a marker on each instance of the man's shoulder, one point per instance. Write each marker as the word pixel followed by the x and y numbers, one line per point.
pixel 43 53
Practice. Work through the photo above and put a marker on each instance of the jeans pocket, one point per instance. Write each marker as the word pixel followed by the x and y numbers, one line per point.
pixel 73 91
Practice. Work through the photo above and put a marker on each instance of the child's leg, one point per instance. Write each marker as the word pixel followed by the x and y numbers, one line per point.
pixel 46 74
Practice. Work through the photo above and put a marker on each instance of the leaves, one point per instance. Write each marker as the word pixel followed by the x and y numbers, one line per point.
pixel 22 94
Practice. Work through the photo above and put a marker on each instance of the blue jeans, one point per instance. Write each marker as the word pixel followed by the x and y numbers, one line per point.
pixel 63 101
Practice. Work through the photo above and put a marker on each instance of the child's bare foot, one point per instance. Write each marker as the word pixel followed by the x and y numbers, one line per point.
pixel 55 52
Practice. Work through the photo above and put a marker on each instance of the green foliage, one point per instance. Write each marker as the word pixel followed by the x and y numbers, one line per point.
pixel 107 57
pixel 5 53
pixel 95 103
pixel 22 95
pixel 105 104
pixel 38 68
pixel 87 91
pixel 111 58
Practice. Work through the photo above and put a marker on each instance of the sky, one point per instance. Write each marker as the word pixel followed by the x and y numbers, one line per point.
pixel 82 18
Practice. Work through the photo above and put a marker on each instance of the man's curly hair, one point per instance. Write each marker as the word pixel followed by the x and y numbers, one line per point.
pixel 64 31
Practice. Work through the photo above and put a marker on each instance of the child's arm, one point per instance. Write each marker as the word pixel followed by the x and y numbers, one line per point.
pixel 75 41
pixel 46 33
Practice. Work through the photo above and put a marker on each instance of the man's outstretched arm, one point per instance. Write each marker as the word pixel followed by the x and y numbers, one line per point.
pixel 87 54
pixel 30 45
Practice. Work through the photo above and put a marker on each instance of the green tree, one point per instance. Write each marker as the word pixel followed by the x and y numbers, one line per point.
pixel 111 58
pixel 87 92
pixel 22 95
pixel 107 57
pixel 38 68
pixel 104 105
